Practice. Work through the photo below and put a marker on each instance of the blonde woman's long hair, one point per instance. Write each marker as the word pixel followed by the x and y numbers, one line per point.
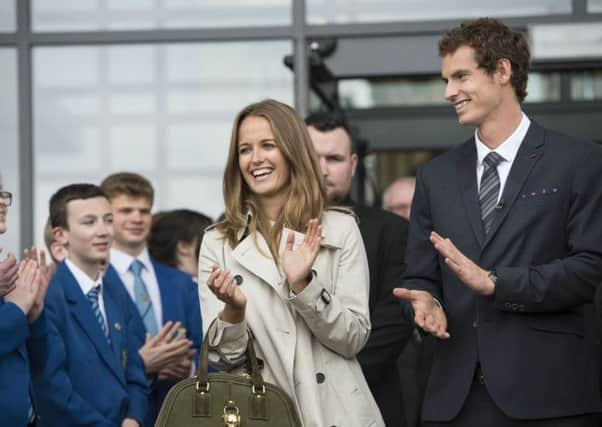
pixel 306 192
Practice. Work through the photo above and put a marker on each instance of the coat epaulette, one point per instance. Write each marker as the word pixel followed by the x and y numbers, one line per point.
pixel 345 210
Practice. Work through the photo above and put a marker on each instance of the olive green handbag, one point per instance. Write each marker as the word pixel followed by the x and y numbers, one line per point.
pixel 228 400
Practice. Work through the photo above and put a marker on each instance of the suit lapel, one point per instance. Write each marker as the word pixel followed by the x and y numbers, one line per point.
pixel 469 193
pixel 528 154
pixel 82 313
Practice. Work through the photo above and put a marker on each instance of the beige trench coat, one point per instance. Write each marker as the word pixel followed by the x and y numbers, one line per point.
pixel 308 341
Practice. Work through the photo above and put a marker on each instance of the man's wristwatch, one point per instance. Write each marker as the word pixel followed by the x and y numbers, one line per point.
pixel 493 276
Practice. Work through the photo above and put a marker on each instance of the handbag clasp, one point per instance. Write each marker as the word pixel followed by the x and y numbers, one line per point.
pixel 231 415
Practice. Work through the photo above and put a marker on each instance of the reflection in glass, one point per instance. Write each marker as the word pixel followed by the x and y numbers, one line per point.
pixel 586 85
pixel 90 15
pixel 9 151
pixel 345 11
pixel 161 110
pixel 8 16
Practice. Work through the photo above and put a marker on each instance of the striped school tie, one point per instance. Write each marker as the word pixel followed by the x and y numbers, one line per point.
pixel 93 295
pixel 142 299
pixel 490 188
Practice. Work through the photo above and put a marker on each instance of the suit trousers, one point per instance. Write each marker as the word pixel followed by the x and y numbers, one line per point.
pixel 480 410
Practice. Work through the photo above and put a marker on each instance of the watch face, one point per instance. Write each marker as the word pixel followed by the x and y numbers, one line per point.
pixel 493 276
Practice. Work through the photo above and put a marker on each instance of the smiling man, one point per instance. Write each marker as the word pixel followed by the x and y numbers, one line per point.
pixel 504 250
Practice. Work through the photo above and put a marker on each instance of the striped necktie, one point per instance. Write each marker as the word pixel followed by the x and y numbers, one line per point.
pixel 93 295
pixel 142 299
pixel 490 188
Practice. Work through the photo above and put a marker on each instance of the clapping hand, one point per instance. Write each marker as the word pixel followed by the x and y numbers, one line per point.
pixel 8 274
pixel 225 288
pixel 297 263
pixel 428 315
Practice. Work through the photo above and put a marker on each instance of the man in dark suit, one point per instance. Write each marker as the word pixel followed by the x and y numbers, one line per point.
pixel 165 297
pixel 384 236
pixel 504 250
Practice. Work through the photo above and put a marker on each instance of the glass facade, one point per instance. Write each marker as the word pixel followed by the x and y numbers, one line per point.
pixel 586 85
pixel 90 15
pixel 164 111
pixel 355 11
pixel 8 16
pixel 9 153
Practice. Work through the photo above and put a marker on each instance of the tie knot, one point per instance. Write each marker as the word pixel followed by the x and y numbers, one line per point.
pixel 93 293
pixel 493 159
pixel 136 267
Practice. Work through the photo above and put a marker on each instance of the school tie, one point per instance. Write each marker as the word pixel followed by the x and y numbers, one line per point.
pixel 93 298
pixel 143 301
pixel 490 188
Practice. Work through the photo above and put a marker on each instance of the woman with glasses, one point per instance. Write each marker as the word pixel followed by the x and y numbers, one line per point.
pixel 289 270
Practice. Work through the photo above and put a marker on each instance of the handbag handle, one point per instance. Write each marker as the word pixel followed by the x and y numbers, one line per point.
pixel 202 374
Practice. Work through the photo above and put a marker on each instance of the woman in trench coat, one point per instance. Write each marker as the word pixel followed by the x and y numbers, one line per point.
pixel 290 270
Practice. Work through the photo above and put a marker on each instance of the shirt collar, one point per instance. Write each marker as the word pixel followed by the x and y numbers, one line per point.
pixel 509 147
pixel 85 282
pixel 122 261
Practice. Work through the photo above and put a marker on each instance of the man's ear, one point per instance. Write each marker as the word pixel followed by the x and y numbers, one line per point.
pixel 353 163
pixel 60 235
pixel 504 70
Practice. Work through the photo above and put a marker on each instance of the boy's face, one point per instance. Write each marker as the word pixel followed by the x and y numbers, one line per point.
pixel 132 216
pixel 90 232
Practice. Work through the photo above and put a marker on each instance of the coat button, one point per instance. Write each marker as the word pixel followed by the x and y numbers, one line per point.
pixel 475 324
pixel 238 279
pixel 320 377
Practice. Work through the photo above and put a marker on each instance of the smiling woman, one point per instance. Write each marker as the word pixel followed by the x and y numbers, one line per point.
pixel 292 272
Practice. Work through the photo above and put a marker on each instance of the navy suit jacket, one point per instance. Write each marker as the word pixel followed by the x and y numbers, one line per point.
pixel 180 303
pixel 15 332
pixel 545 244
pixel 79 378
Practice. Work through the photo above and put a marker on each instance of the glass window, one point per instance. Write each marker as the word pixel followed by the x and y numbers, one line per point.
pixel 426 90
pixel 594 6
pixel 9 156
pixel 87 15
pixel 586 85
pixel 543 87
pixel 349 11
pixel 164 111
pixel 8 16
pixel 394 91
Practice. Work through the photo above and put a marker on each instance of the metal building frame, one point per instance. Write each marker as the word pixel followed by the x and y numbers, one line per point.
pixel 378 124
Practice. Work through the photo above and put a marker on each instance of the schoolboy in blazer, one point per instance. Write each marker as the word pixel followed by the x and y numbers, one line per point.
pixel 88 371
pixel 172 293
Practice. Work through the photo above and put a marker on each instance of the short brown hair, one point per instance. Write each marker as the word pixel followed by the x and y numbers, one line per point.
pixel 59 200
pixel 492 41
pixel 129 184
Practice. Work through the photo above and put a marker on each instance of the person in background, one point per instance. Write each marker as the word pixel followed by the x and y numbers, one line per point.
pixel 165 297
pixel 87 370
pixel 398 196
pixel 23 288
pixel 504 251
pixel 292 272
pixel 175 238
pixel 384 236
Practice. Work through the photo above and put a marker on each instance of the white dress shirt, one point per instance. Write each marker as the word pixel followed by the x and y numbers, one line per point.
pixel 86 284
pixel 122 262
pixel 506 149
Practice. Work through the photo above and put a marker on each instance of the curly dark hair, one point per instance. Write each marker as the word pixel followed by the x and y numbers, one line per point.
pixel 492 41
